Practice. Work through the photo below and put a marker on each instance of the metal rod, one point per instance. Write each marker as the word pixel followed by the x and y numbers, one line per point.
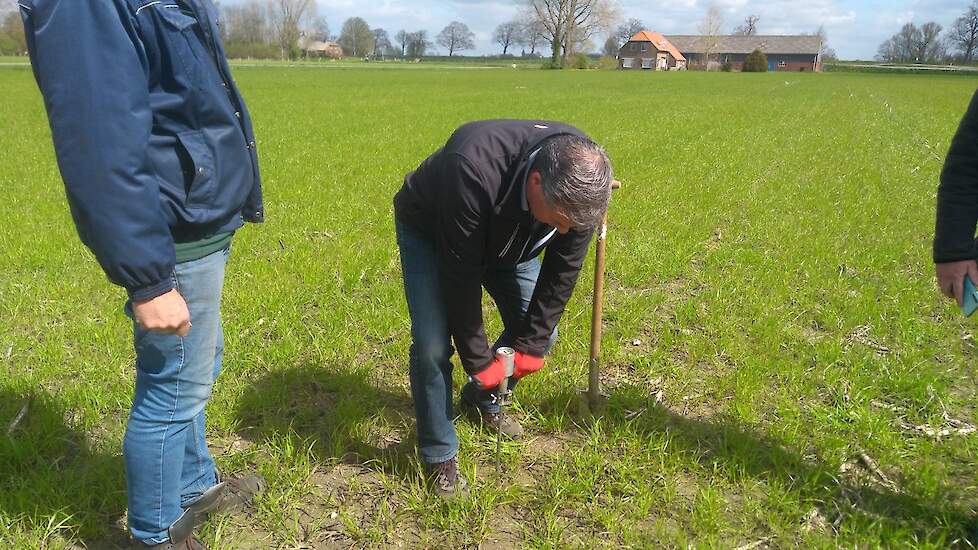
pixel 502 395
pixel 20 416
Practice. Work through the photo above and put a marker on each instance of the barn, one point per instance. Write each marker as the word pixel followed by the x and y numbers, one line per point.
pixel 784 53
pixel 650 51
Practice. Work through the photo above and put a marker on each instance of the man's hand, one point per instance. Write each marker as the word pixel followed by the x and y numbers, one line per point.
pixel 950 278
pixel 490 377
pixel 166 313
pixel 526 364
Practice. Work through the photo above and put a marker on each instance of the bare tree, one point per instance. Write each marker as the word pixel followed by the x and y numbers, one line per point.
pixel 356 38
pixel 456 36
pixel 382 43
pixel 290 17
pixel 824 50
pixel 627 30
pixel 888 51
pixel 930 49
pixel 402 38
pixel 963 34
pixel 587 18
pixel 709 28
pixel 907 43
pixel 418 43
pixel 12 38
pixel 611 46
pixel 748 27
pixel 507 34
pixel 320 29
pixel 247 23
pixel 551 17
pixel 570 24
pixel 533 33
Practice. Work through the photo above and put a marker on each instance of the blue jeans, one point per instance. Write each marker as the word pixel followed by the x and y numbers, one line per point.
pixel 167 461
pixel 431 349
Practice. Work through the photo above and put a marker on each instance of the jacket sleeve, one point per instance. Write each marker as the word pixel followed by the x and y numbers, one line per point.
pixel 562 264
pixel 957 195
pixel 92 71
pixel 462 236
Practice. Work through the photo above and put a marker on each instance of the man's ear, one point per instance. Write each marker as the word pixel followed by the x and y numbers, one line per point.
pixel 534 178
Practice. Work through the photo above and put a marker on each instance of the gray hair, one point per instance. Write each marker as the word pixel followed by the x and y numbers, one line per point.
pixel 576 179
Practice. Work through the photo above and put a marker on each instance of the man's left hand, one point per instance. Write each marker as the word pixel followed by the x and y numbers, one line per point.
pixel 950 278
pixel 526 364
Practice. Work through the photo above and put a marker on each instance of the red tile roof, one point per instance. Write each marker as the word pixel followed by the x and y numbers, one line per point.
pixel 660 42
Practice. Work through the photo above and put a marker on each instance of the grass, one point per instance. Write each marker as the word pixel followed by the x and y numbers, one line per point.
pixel 770 317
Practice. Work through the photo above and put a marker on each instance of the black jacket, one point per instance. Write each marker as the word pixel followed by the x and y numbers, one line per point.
pixel 957 196
pixel 467 198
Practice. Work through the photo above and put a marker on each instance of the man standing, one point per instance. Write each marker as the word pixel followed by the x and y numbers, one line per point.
pixel 158 158
pixel 479 212
pixel 957 210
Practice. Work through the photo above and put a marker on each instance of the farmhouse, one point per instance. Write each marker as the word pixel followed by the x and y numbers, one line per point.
pixel 784 53
pixel 651 51
pixel 317 48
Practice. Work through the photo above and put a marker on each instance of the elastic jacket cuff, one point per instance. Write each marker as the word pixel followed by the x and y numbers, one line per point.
pixel 147 293
pixel 948 258
pixel 526 349
pixel 255 216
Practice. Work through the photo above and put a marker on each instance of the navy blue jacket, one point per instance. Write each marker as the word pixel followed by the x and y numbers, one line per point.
pixel 153 140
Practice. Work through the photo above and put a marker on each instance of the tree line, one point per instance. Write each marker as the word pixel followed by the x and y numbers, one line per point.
pixel 281 29
pixel 12 40
pixel 930 43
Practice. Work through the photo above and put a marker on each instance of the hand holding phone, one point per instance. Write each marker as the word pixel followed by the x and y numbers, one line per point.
pixel 970 298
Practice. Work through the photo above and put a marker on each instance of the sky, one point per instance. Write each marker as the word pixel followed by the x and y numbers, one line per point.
pixel 855 28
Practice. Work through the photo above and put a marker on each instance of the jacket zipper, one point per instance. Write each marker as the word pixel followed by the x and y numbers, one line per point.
pixel 510 243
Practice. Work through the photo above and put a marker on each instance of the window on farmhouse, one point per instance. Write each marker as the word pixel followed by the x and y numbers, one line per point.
pixel 645 47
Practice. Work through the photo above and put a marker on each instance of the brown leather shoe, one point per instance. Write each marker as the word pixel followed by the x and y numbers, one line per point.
pixel 229 495
pixel 192 543
pixel 501 421
pixel 447 481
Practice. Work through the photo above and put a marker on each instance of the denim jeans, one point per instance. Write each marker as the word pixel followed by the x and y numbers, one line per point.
pixel 166 456
pixel 431 349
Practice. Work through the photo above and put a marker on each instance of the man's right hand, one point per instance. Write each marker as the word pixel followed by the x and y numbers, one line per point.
pixel 166 313
pixel 950 278
pixel 490 377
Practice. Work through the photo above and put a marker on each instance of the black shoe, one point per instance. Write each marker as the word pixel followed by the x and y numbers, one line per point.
pixel 229 495
pixel 447 481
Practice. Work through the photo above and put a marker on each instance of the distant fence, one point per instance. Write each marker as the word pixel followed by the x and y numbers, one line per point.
pixel 893 68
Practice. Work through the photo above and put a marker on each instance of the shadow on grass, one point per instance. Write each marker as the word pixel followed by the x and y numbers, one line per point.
pixel 723 444
pixel 344 416
pixel 52 483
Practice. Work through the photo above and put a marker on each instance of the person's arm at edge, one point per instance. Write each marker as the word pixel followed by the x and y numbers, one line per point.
pixel 92 72
pixel 561 268
pixel 957 209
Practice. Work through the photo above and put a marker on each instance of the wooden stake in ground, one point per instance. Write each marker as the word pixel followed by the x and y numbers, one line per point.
pixel 594 396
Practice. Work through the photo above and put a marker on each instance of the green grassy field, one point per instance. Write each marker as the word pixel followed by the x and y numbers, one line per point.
pixel 779 362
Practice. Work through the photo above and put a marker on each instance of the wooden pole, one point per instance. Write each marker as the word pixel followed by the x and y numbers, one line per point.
pixel 594 372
